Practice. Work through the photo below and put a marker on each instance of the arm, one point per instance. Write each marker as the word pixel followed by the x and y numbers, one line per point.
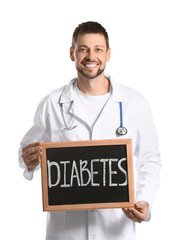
pixel 148 165
pixel 30 149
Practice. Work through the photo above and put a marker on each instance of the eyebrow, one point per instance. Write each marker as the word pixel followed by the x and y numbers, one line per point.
pixel 100 46
pixel 82 45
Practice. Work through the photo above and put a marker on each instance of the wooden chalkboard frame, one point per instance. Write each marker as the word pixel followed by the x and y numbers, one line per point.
pixel 127 142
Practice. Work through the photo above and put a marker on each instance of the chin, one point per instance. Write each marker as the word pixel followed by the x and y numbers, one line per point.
pixel 90 76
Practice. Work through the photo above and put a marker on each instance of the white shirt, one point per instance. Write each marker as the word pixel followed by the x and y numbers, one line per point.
pixel 100 224
pixel 91 104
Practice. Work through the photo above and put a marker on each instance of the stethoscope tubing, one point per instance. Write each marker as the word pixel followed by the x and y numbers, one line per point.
pixel 120 130
pixel 121 115
pixel 65 123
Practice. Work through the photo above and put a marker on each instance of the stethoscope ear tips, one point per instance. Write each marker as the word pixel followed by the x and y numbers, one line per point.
pixel 121 131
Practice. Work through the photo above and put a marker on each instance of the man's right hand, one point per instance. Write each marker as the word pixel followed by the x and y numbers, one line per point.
pixel 31 154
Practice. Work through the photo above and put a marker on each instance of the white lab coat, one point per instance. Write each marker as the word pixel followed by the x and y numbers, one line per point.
pixel 104 224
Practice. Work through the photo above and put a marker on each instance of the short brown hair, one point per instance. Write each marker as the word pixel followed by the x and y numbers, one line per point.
pixel 89 27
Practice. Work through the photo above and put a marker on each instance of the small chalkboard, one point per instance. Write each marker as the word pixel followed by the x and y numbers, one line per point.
pixel 82 175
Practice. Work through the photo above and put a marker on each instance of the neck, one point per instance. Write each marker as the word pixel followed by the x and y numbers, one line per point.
pixel 96 86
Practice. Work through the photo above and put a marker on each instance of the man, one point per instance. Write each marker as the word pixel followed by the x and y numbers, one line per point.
pixel 87 109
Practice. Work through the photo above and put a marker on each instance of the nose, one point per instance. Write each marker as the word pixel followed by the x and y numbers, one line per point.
pixel 90 55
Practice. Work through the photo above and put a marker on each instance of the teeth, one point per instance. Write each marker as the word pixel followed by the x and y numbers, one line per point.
pixel 90 65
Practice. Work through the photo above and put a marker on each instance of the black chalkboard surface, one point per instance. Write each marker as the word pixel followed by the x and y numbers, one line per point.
pixel 87 175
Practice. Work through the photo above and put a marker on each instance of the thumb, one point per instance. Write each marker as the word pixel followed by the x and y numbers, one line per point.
pixel 141 205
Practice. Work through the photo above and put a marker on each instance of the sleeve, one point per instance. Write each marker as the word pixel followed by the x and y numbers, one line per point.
pixel 148 163
pixel 35 134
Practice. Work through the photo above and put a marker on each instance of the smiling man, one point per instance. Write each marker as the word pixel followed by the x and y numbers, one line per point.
pixel 91 51
pixel 88 108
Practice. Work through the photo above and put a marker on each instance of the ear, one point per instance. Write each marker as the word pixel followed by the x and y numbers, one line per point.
pixel 72 54
pixel 108 54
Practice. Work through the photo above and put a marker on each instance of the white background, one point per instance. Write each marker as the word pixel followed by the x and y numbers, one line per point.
pixel 35 37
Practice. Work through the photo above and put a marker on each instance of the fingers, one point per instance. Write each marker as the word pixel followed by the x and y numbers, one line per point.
pixel 33 164
pixel 131 216
pixel 31 154
pixel 32 145
pixel 138 213
pixel 141 206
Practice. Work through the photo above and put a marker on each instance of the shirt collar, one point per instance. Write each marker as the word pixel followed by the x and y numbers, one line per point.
pixel 117 92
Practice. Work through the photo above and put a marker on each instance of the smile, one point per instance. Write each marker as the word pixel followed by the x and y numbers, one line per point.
pixel 90 65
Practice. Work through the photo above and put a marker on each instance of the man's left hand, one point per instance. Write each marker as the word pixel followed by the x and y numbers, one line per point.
pixel 138 213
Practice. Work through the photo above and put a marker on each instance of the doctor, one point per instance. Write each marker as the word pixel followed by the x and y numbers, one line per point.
pixel 94 106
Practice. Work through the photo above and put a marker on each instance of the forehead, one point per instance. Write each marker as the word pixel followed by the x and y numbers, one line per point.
pixel 91 39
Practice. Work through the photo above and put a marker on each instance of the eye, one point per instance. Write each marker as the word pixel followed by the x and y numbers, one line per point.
pixel 82 49
pixel 99 50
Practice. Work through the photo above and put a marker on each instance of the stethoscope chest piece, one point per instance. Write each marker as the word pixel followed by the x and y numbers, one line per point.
pixel 121 131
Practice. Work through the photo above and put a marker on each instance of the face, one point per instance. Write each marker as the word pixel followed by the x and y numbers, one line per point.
pixel 90 55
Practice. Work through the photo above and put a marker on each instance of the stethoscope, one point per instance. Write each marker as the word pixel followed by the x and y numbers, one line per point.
pixel 67 127
pixel 120 130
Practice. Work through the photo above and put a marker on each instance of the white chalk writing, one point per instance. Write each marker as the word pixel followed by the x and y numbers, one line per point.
pixel 83 173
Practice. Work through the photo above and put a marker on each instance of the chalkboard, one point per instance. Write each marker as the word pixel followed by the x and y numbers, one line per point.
pixel 82 175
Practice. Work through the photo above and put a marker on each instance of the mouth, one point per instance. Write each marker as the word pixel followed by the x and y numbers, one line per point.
pixel 90 65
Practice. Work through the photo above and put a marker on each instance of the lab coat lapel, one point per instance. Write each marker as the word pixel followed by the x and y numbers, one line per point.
pixel 110 119
pixel 78 113
pixel 68 96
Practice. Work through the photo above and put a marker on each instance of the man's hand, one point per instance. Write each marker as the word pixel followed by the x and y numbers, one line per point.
pixel 31 154
pixel 138 213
